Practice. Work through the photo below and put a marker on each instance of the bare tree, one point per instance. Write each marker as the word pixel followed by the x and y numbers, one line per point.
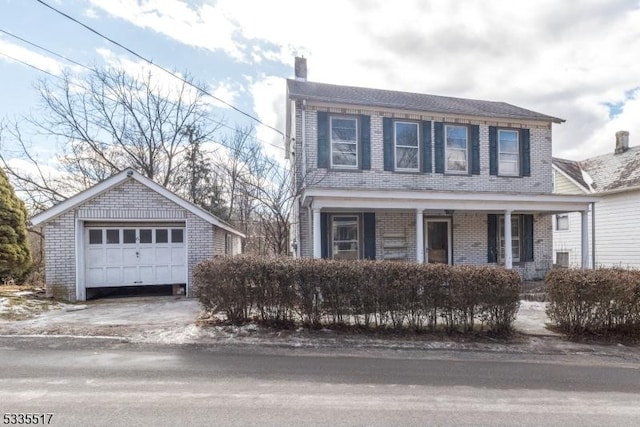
pixel 108 121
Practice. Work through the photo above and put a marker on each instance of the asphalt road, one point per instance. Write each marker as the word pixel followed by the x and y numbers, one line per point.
pixel 108 383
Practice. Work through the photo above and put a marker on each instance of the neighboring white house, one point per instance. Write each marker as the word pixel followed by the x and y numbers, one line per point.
pixel 615 179
pixel 128 231
pixel 405 176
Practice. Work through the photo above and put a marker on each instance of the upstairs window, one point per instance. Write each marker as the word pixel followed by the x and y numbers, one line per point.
pixel 406 143
pixel 508 153
pixel 344 142
pixel 456 149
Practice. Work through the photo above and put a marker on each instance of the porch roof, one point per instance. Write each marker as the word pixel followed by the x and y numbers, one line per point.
pixel 349 198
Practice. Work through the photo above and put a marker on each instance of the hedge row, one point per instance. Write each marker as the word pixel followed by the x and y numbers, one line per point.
pixel 371 294
pixel 602 301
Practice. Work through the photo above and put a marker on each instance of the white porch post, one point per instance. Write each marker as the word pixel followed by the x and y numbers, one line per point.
pixel 508 252
pixel 419 236
pixel 317 241
pixel 585 238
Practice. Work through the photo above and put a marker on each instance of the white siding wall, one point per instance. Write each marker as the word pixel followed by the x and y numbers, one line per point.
pixel 618 230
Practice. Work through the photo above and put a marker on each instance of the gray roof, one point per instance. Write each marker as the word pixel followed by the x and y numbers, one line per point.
pixel 410 101
pixel 614 171
pixel 572 169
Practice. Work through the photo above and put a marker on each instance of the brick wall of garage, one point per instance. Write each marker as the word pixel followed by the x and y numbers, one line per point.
pixel 130 200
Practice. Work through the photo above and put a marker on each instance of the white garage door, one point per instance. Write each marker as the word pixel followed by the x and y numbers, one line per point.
pixel 134 255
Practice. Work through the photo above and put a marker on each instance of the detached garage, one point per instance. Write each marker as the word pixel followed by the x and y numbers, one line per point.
pixel 128 231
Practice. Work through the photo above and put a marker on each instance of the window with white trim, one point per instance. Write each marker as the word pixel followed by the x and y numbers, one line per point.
pixel 456 148
pixel 508 152
pixel 344 142
pixel 562 222
pixel 407 146
pixel 228 244
pixel 562 259
pixel 515 238
pixel 345 237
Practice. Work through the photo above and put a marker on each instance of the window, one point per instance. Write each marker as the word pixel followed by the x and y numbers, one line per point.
pixel 456 148
pixel 95 237
pixel 162 235
pixel 129 236
pixel 345 237
pixel 515 238
pixel 177 235
pixel 228 244
pixel 562 222
pixel 406 141
pixel 508 152
pixel 145 236
pixel 562 259
pixel 113 237
pixel 344 142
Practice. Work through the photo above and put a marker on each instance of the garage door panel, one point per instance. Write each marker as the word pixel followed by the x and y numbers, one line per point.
pixel 95 256
pixel 130 257
pixel 146 256
pixel 146 275
pixel 178 274
pixel 163 273
pixel 114 257
pixel 95 276
pixel 178 255
pixel 114 275
pixel 130 274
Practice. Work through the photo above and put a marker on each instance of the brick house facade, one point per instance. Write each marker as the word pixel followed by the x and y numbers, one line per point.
pixel 127 231
pixel 403 176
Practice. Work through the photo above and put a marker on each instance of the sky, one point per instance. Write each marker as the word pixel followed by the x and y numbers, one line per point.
pixel 576 60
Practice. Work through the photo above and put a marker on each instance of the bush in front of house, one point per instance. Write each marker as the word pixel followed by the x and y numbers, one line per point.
pixel 364 294
pixel 603 301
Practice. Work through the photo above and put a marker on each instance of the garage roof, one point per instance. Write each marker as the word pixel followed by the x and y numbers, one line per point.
pixel 116 180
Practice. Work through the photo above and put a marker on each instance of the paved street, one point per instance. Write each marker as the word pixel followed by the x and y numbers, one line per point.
pixel 110 382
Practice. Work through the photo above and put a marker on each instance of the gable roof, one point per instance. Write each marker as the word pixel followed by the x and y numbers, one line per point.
pixel 614 172
pixel 114 181
pixel 572 170
pixel 410 101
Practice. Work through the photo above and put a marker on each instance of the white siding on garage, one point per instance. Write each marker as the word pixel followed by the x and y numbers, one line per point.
pixel 571 240
pixel 618 230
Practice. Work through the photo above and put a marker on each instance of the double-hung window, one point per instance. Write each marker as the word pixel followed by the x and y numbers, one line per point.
pixel 515 237
pixel 407 147
pixel 345 237
pixel 508 152
pixel 456 148
pixel 344 142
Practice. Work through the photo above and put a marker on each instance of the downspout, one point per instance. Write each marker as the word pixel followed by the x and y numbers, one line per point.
pixel 593 235
pixel 304 143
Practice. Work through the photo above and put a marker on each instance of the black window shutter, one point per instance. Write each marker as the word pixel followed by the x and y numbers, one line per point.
pixel 323 139
pixel 475 149
pixel 365 142
pixel 525 153
pixel 369 219
pixel 492 238
pixel 493 150
pixel 527 237
pixel 324 235
pixel 438 134
pixel 426 147
pixel 387 136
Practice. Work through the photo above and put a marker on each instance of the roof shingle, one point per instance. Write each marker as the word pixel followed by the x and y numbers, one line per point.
pixel 410 101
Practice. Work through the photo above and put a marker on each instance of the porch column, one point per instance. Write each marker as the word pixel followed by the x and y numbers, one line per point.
pixel 508 252
pixel 317 241
pixel 419 236
pixel 585 238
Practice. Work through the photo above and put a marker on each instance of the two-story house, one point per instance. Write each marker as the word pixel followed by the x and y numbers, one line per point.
pixel 392 175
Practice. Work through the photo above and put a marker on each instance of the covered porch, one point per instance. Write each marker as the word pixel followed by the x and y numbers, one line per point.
pixel 435 226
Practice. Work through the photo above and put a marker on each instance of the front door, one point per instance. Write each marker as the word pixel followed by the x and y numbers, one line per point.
pixel 437 241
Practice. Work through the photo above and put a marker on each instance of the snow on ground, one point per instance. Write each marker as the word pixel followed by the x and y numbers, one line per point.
pixel 177 320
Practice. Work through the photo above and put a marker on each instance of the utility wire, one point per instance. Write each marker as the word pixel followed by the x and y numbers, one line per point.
pixel 160 67
pixel 43 48
pixel 215 122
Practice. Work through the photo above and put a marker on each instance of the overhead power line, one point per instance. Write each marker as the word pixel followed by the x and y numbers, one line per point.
pixel 137 55
pixel 38 46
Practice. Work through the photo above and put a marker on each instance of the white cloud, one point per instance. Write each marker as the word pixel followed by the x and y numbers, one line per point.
pixel 30 57
pixel 268 103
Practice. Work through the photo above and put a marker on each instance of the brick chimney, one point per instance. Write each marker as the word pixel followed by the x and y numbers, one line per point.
pixel 301 69
pixel 622 141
